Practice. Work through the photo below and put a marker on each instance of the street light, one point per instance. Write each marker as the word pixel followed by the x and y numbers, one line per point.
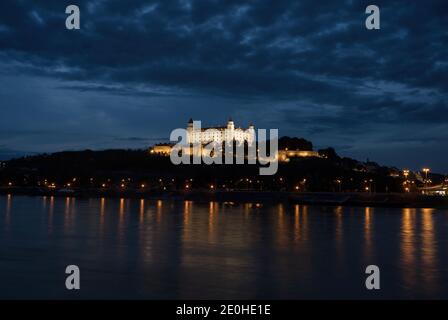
pixel 426 171
pixel 339 182
pixel 406 174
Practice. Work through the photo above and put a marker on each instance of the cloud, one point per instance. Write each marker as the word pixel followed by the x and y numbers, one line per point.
pixel 309 68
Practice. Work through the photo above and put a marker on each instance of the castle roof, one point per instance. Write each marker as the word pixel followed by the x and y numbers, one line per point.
pixel 216 128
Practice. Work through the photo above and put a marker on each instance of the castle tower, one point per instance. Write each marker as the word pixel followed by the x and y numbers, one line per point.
pixel 190 131
pixel 250 137
pixel 230 130
pixel 230 124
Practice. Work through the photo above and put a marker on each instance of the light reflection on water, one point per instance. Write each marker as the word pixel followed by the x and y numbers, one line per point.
pixel 368 230
pixel 156 249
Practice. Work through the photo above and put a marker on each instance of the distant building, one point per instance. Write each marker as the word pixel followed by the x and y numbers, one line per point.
pixel 438 190
pixel 219 134
pixel 163 149
pixel 285 155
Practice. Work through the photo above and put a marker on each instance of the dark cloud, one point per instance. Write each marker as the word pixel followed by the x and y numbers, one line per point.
pixel 309 68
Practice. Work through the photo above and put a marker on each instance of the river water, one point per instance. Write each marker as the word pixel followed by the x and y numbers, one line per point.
pixel 162 249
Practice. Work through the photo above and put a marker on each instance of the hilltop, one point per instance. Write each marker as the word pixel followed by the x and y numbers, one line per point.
pixel 140 169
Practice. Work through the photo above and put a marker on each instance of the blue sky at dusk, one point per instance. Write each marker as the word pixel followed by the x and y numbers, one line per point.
pixel 138 69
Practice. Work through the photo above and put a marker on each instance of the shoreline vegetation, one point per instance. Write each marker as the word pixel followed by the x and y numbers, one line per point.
pixel 396 200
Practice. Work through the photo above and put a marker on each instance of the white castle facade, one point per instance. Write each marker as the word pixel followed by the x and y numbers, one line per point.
pixel 197 134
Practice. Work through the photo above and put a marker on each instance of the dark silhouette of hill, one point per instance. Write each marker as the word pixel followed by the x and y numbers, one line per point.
pixel 134 168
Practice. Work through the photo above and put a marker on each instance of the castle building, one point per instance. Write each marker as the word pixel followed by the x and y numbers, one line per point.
pixel 286 155
pixel 206 135
pixel 203 136
pixel 219 134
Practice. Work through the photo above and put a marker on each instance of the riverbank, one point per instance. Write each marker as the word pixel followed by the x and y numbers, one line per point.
pixel 245 196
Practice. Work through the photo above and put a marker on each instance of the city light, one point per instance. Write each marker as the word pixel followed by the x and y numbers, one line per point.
pixel 426 171
pixel 426 181
pixel 406 173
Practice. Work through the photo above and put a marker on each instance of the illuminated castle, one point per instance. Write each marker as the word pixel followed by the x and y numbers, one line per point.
pixel 204 136
pixel 219 134
pixel 198 135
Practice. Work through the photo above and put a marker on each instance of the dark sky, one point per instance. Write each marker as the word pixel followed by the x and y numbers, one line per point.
pixel 138 69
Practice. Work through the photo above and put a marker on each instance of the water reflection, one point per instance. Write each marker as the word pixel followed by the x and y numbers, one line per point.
pixel 159 211
pixel 142 210
pixel 69 211
pixel 121 226
pixel 282 230
pixel 368 231
pixel 339 235
pixel 297 233
pixel 408 247
pixel 102 214
pixel 305 229
pixel 212 221
pixel 121 211
pixel 184 249
pixel 186 232
pixel 50 214
pixel 429 251
pixel 8 211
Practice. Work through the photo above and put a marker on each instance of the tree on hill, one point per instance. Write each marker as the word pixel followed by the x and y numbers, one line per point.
pixel 295 144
